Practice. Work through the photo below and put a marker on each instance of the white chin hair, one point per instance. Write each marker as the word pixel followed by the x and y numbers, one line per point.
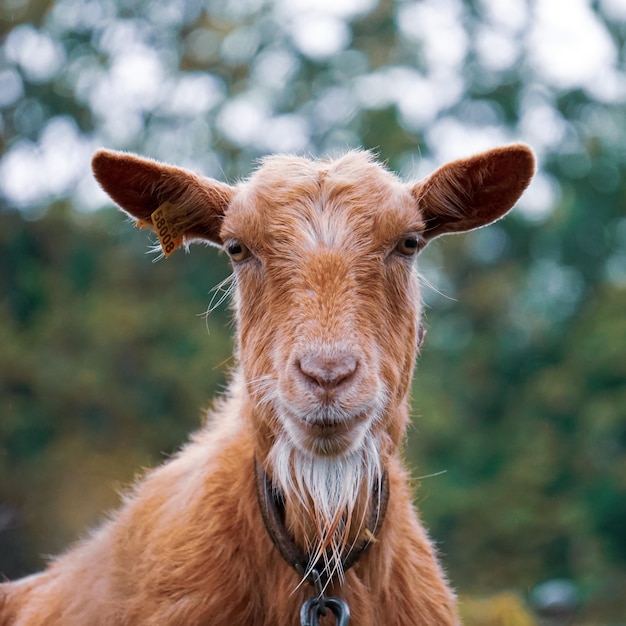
pixel 331 486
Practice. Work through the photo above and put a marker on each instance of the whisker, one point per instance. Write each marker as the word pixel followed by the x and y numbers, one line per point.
pixel 424 281
pixel 432 475
pixel 225 288
pixel 265 386
pixel 156 249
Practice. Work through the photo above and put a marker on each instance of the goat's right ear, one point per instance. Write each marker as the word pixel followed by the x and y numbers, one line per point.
pixel 179 205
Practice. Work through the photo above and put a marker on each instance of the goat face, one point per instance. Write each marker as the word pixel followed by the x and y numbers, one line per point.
pixel 327 304
pixel 327 299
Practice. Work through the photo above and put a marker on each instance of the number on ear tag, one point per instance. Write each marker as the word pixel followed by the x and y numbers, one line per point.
pixel 170 236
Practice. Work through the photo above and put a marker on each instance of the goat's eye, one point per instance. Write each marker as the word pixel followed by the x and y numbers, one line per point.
pixel 237 251
pixel 408 246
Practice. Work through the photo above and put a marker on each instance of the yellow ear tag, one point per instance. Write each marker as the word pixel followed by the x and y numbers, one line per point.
pixel 170 236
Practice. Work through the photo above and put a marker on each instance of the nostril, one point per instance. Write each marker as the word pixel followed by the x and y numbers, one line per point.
pixel 328 371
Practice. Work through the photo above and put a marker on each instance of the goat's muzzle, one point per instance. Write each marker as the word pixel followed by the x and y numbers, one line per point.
pixel 329 396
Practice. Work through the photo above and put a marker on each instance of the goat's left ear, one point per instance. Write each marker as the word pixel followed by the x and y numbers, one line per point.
pixel 179 205
pixel 469 193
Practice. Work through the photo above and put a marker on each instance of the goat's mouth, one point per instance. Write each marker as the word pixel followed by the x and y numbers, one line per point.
pixel 329 427
pixel 325 434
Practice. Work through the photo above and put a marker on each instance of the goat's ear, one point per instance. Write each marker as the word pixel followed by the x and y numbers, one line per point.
pixel 469 193
pixel 171 200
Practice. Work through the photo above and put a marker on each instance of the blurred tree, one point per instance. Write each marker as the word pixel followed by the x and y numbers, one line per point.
pixel 520 391
pixel 94 341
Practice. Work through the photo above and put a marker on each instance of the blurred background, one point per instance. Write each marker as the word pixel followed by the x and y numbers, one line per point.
pixel 107 358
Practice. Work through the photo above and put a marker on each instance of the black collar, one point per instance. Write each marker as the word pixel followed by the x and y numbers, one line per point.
pixel 272 507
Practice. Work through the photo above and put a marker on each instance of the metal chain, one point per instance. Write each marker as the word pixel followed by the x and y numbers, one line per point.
pixel 319 605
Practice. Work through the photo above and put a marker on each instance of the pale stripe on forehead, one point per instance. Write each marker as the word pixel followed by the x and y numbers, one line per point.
pixel 320 225
pixel 346 213
pixel 327 201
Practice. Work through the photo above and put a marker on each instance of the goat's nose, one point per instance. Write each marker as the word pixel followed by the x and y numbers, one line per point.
pixel 328 371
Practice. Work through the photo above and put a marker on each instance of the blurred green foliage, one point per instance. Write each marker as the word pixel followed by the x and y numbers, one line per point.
pixel 520 421
pixel 105 366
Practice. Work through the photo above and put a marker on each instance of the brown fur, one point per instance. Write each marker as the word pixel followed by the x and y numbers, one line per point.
pixel 324 292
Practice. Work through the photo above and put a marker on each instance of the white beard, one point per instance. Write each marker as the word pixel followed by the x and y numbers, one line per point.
pixel 326 491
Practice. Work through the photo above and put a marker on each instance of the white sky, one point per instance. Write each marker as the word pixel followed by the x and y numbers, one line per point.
pixel 567 48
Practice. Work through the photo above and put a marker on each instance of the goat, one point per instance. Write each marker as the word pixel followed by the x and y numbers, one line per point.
pixel 297 475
